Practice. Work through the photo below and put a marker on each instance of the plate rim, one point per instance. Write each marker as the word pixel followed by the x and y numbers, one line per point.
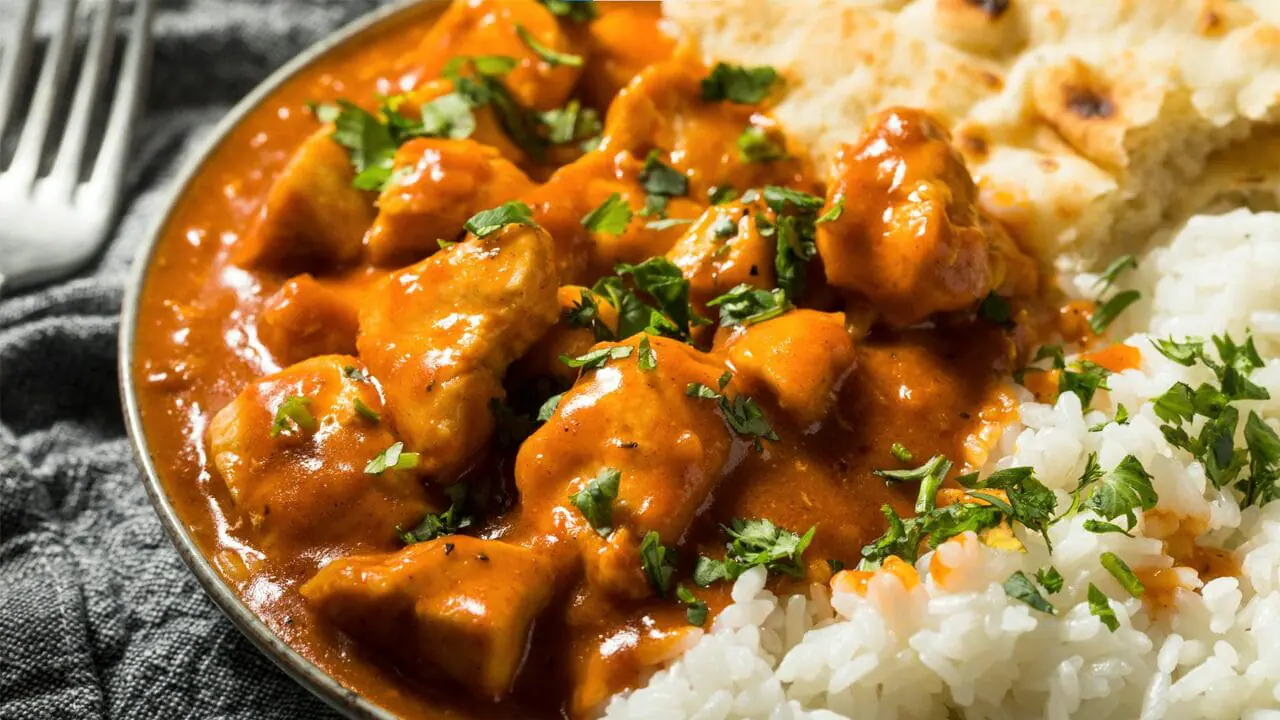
pixel 301 670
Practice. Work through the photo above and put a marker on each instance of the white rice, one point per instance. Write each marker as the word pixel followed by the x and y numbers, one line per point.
pixel 973 652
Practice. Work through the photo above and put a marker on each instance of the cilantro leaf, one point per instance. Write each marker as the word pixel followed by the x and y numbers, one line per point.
pixel 369 142
pixel 1122 491
pixel 753 543
pixel 612 216
pixel 661 179
pixel 697 611
pixel 548 408
pixel 930 475
pixel 721 194
pixel 597 358
pixel 1020 587
pixel 595 499
pixel 738 84
pixel 1263 484
pixel 353 373
pixel 366 412
pixel 393 458
pixel 487 222
pixel 571 123
pixel 1121 571
pixel 551 57
pixel 663 280
pixel 293 412
pixel 832 213
pixel 1050 579
pixel 1114 271
pixel 741 413
pixel 448 116
pixel 996 309
pixel 435 525
pixel 1184 353
pixel 1101 528
pixel 647 359
pixel 758 145
pixel 1100 607
pixel 1085 380
pixel 1107 312
pixel 658 561
pixel 902 539
pixel 578 11
pixel 746 305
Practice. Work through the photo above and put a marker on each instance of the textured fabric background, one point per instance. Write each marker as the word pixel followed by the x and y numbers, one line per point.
pixel 99 618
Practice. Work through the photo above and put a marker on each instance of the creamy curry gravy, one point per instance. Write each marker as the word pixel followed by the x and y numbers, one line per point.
pixel 886 349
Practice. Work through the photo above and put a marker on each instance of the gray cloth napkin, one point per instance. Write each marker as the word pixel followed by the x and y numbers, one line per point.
pixel 98 615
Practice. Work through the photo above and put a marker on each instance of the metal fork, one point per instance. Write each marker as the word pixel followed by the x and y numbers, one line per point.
pixel 51 224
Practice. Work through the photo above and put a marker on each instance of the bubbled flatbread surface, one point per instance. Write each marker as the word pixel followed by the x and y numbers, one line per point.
pixel 1089 123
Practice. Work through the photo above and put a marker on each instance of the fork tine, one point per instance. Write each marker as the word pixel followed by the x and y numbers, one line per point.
pixel 26 162
pixel 16 61
pixel 66 168
pixel 135 71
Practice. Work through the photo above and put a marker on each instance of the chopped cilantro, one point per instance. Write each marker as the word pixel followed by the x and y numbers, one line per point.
pixel 832 213
pixel 658 562
pixel 393 458
pixel 996 309
pixel 758 145
pixel 1120 570
pixel 1020 587
pixel 745 305
pixel 351 372
pixel 595 499
pixel 658 178
pixel 754 543
pixel 901 453
pixel 646 359
pixel 1263 484
pixel 571 123
pixel 548 408
pixel 366 412
pixel 1121 418
pixel 662 280
pixel 721 194
pixel 697 611
pixel 369 142
pixel 1114 271
pixel 449 116
pixel 293 412
pixel 551 57
pixel 612 216
pixel 578 11
pixel 436 525
pixel 930 475
pixel 487 222
pixel 1106 312
pixel 1100 607
pixel 597 358
pixel 741 413
pixel 1050 579
pixel 738 84
pixel 1101 528
pixel 1121 492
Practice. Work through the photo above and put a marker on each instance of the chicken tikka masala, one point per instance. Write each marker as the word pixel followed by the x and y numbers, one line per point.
pixel 482 358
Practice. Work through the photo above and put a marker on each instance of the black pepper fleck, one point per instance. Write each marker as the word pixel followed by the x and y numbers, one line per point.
pixel 448 548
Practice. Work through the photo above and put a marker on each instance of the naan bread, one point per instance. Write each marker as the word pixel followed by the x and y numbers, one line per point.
pixel 1088 123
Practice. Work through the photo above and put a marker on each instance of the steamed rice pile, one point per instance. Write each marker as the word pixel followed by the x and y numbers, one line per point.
pixel 955 645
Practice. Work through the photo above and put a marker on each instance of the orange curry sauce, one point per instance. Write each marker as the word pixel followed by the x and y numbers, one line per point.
pixel 887 350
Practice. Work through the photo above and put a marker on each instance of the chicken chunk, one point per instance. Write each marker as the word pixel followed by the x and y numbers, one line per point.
pixel 662 109
pixel 765 357
pixel 565 338
pixel 457 606
pixel 492 27
pixel 313 218
pixel 724 249
pixel 304 319
pixel 575 190
pixel 670 449
pixel 440 334
pixel 624 40
pixel 435 187
pixel 911 238
pixel 293 448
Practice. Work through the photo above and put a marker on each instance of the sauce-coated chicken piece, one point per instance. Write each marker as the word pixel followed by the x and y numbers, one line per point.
pixel 912 239
pixel 800 358
pixel 724 249
pixel 671 450
pixel 663 109
pixel 457 606
pixel 621 43
pixel 492 27
pixel 440 334
pixel 434 187
pixel 561 204
pixel 313 218
pixel 304 319
pixel 564 338
pixel 292 449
